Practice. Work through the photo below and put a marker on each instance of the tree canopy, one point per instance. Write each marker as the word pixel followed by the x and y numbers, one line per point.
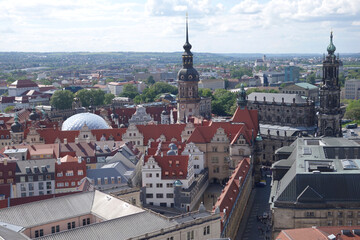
pixel 108 98
pixel 95 97
pixel 223 102
pixel 152 92
pixel 353 110
pixel 62 99
pixel 130 91
pixel 238 72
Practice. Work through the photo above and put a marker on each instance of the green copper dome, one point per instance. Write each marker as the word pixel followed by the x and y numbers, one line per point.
pixel 331 48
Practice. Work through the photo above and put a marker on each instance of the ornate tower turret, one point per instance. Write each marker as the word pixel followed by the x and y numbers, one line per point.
pixel 329 115
pixel 188 78
pixel 241 100
pixel 16 133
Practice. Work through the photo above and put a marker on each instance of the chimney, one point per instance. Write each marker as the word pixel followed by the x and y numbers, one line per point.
pixel 88 140
pixel 76 140
pixel 79 159
pixel 65 140
pixel 58 161
pixel 5 162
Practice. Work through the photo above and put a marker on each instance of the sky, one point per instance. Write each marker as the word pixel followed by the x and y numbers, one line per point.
pixel 215 26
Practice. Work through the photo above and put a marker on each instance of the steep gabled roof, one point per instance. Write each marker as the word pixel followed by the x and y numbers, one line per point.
pixel 249 117
pixel 172 167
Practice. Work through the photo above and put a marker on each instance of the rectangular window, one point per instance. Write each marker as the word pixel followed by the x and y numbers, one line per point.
pixel 159 195
pixel 329 214
pixel 88 221
pixel 214 149
pixel 340 222
pixel 80 172
pixel 169 195
pixel 41 185
pixel 208 229
pixel 22 179
pixel 69 225
pixel 37 233
pixel 41 232
pixel 214 160
pixel 73 224
pixel 69 173
pixel 149 195
pixel 84 222
pixel 57 228
pixel 59 174
pixel 159 185
pixel 31 187
pixel 149 185
pixel 72 183
pixel 169 185
pixel 30 178
pixel 40 178
pixel 148 175
pixel 52 229
pixel 340 214
pixel 310 214
pixel 48 177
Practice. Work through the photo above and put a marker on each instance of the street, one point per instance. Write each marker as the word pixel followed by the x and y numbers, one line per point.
pixel 258 224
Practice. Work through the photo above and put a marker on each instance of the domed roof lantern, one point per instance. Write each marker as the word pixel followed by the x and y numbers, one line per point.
pixel 33 115
pixel 178 183
pixel 16 126
pixel 331 48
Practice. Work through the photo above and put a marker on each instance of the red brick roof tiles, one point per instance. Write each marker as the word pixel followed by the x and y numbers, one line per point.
pixel 155 131
pixel 172 167
pixel 23 84
pixel 231 190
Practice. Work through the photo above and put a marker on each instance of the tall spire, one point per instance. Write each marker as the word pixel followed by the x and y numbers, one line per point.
pixel 187 45
pixel 331 48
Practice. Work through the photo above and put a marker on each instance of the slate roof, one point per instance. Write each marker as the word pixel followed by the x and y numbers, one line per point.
pixel 120 228
pixel 302 185
pixel 276 97
pixel 42 212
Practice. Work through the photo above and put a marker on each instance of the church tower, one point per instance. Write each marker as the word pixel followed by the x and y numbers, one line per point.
pixel 329 115
pixel 188 102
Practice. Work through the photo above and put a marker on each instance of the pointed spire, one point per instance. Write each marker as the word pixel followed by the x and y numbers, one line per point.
pixel 331 48
pixel 242 101
pixel 187 45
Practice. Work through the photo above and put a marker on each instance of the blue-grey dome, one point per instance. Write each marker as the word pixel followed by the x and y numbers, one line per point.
pixel 171 153
pixel 77 121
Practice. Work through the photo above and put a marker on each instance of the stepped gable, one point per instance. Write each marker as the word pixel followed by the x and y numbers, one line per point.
pixel 228 196
pixel 116 133
pixel 249 117
pixel 204 134
pixel 172 167
pixel 155 131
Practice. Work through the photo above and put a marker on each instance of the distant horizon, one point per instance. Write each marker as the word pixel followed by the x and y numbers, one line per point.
pixel 218 53
pixel 215 26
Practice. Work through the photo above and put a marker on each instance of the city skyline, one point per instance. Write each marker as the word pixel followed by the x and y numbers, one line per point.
pixel 249 26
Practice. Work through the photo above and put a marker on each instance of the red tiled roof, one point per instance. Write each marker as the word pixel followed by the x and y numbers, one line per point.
pixel 23 84
pixel 155 131
pixel 50 134
pixel 230 192
pixel 302 233
pixel 172 167
pixel 249 117
pixel 116 133
pixel 7 99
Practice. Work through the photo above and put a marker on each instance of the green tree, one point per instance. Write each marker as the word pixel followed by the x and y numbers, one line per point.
pixel 108 98
pixel 238 72
pixel 94 97
pixel 9 109
pixel 62 99
pixel 130 91
pixel 205 92
pixel 222 102
pixel 150 80
pixel 311 78
pixel 353 110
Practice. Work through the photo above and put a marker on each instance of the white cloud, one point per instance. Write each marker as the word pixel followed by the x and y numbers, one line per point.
pixel 158 25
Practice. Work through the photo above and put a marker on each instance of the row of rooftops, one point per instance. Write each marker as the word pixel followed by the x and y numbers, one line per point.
pixel 120 220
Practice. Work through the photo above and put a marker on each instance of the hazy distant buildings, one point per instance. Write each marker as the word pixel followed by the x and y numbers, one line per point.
pixel 352 89
pixel 292 74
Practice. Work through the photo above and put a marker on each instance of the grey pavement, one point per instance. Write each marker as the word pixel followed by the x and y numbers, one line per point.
pixel 255 228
